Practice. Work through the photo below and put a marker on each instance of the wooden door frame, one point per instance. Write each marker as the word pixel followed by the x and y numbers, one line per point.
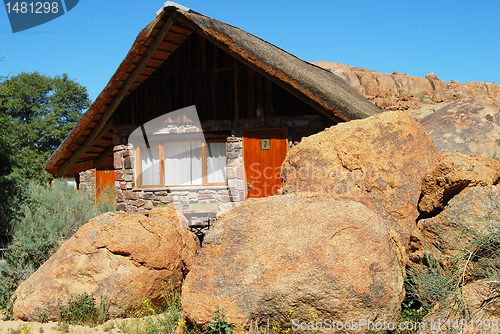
pixel 245 182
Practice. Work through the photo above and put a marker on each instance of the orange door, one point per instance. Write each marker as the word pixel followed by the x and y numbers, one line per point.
pixel 263 153
pixel 104 185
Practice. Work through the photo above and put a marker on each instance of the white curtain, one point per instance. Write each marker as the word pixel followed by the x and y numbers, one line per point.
pixel 150 166
pixel 183 164
pixel 216 162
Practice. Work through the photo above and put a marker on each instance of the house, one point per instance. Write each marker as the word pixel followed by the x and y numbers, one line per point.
pixel 252 99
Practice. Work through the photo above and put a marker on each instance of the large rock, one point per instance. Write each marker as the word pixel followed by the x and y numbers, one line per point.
pixel 469 126
pixel 329 258
pixel 467 216
pixel 453 173
pixel 378 161
pixel 117 257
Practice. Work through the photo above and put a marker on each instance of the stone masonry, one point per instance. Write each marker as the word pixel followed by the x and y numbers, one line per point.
pixel 87 180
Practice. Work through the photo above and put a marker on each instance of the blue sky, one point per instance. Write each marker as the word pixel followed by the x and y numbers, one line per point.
pixel 457 40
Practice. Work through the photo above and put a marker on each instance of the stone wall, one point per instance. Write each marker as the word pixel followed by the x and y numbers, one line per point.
pixel 87 180
pixel 235 169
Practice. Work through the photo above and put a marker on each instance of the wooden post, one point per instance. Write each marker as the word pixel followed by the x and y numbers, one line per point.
pixel 203 54
pixel 214 84
pixel 269 98
pixel 250 99
pixel 236 93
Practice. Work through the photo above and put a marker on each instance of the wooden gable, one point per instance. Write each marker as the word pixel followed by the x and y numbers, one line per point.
pixel 220 86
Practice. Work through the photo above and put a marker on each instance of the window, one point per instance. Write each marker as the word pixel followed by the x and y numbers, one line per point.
pixel 188 163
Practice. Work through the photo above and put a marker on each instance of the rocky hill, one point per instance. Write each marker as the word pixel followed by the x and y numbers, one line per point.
pixel 459 117
pixel 404 92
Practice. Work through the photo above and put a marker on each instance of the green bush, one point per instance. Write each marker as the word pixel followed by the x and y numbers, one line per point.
pixel 49 216
pixel 164 320
pixel 478 259
pixel 59 208
pixel 219 324
pixel 22 329
pixel 82 310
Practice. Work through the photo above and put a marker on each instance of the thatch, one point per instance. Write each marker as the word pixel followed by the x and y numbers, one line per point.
pixel 326 92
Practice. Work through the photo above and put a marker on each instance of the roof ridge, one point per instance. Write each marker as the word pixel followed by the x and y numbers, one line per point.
pixel 173 4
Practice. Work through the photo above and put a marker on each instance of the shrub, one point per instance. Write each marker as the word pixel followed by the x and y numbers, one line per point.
pixel 59 208
pixel 49 216
pixel 163 320
pixel 430 285
pixel 445 279
pixel 61 327
pixel 219 324
pixel 109 326
pixel 43 317
pixel 22 329
pixel 82 310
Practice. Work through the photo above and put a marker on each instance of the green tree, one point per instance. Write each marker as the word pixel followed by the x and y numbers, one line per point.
pixel 36 113
pixel 9 187
pixel 40 111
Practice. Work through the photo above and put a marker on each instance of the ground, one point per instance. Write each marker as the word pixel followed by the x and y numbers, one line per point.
pixel 7 327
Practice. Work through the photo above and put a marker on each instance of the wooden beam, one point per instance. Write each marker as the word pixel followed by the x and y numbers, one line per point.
pixel 91 140
pixel 118 99
pixel 259 92
pixel 236 94
pixel 203 54
pixel 214 83
pixel 103 156
pixel 269 98
pixel 250 93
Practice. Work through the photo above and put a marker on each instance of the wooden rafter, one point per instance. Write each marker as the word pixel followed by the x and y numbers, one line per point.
pixel 103 156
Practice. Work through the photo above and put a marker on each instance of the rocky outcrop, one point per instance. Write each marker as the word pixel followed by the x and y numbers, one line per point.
pixel 469 126
pixel 405 92
pixel 466 216
pixel 288 257
pixel 459 117
pixel 453 173
pixel 117 257
pixel 378 161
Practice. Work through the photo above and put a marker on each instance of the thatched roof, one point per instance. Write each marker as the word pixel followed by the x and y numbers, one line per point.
pixel 90 142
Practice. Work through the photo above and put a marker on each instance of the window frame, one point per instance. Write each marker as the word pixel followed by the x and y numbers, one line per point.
pixel 138 164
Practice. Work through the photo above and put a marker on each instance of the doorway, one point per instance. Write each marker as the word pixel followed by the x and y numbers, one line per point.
pixel 104 185
pixel 264 151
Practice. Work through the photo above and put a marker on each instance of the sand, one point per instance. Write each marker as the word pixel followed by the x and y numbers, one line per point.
pixel 52 328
